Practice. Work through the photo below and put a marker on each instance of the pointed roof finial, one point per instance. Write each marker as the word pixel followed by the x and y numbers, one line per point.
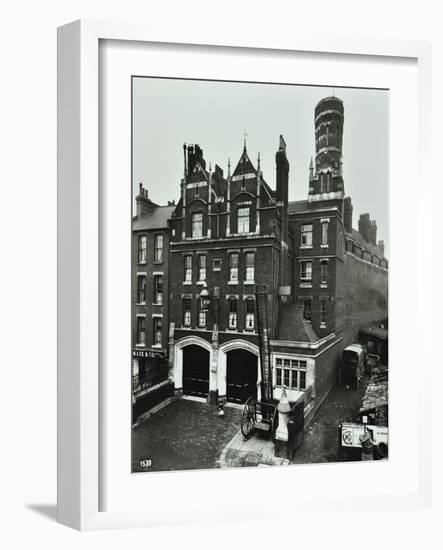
pixel 258 162
pixel 245 135
pixel 229 167
pixel 311 164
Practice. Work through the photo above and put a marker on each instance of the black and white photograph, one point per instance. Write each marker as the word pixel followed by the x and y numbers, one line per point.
pixel 260 265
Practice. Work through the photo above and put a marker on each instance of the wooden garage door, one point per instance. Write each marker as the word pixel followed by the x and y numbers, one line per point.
pixel 195 371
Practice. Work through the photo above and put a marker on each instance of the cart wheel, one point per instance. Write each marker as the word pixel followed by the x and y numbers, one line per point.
pixel 274 424
pixel 248 418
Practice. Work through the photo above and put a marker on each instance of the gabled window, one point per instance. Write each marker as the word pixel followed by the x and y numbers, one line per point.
pixel 157 328
pixel 158 290
pixel 233 266
pixel 186 312
pixel 307 309
pixel 141 331
pixel 243 220
pixel 158 248
pixel 202 267
pixel 306 235
pixel 197 224
pixel 232 317
pixel 306 271
pixel 250 266
pixel 142 247
pixel 188 268
pixel 141 289
pixel 250 314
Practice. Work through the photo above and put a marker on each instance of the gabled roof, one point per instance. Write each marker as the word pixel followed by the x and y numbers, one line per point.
pixel 293 326
pixel 244 165
pixel 158 219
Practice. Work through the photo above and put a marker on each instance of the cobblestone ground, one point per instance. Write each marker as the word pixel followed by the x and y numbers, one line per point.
pixel 185 435
pixel 320 439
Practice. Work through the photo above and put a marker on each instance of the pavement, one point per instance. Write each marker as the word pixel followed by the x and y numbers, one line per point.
pixel 258 450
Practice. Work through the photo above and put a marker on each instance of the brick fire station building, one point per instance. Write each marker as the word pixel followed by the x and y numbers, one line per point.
pixel 197 265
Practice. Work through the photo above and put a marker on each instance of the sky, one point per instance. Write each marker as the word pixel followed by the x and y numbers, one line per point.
pixel 218 115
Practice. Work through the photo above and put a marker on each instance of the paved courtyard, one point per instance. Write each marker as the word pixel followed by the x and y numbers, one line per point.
pixel 184 435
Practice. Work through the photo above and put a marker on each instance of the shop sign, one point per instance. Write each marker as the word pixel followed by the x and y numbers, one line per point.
pixel 350 434
pixel 147 354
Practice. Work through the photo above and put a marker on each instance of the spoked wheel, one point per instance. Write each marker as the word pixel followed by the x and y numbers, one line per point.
pixel 274 424
pixel 248 418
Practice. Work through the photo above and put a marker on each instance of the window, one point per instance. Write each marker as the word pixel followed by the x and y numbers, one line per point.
pixel 306 235
pixel 290 373
pixel 324 272
pixel 323 312
pixel 250 318
pixel 158 248
pixel 188 268
pixel 307 309
pixel 324 233
pixel 158 289
pixel 233 267
pixel 202 268
pixel 157 339
pixel 243 220
pixel 141 289
pixel 250 266
pixel 187 312
pixel 306 271
pixel 197 224
pixel 142 241
pixel 202 315
pixel 141 331
pixel 232 318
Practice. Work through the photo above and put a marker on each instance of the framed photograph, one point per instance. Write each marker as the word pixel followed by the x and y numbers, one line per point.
pixel 234 266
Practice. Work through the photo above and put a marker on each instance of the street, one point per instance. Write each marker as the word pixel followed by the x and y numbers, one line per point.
pixel 320 438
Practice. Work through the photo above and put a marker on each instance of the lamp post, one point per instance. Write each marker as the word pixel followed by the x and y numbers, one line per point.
pixel 205 302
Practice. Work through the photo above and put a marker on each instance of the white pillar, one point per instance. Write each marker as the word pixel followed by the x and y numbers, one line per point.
pixel 221 373
pixel 178 369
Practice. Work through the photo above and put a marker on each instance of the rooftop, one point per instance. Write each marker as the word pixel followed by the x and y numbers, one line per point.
pixel 157 219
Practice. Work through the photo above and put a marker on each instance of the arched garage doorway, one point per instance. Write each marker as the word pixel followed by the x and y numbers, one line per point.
pixel 195 371
pixel 241 375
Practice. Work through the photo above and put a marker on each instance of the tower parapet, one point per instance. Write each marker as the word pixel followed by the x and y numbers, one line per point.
pixel 327 182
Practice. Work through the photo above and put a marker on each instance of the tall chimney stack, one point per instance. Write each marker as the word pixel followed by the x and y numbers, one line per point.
pixel 347 214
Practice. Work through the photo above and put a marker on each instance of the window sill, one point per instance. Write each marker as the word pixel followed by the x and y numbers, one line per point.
pixel 305 285
pixel 200 282
pixel 323 285
pixel 142 263
pixel 158 262
pixel 322 325
pixel 232 282
pixel 249 282
pixel 156 346
pixel 140 345
pixel 157 303
pixel 140 304
pixel 324 246
pixel 187 282
pixel 305 246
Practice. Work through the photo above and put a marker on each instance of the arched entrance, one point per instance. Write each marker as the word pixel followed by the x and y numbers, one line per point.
pixel 241 375
pixel 195 371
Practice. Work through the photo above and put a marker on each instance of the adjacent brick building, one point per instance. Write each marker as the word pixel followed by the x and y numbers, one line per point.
pixel 231 234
